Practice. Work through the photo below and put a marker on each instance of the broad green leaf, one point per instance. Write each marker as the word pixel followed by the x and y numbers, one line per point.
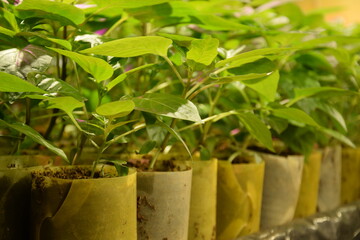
pixel 257 129
pixel 176 135
pixel 203 51
pixel 314 43
pixel 11 83
pixel 21 62
pixel 179 39
pixel 229 79
pixel 213 22
pixel 62 42
pixel 57 87
pixel 132 47
pixel 97 67
pixel 35 136
pixel 242 61
pixel 67 104
pixel 317 91
pixel 116 108
pixel 338 136
pixel 266 87
pixel 120 166
pixel 333 113
pixel 129 4
pixel 66 14
pixel 254 53
pixel 7 31
pixel 112 127
pixel 10 18
pixel 251 65
pixel 147 147
pixel 294 114
pixel 167 105
pixel 124 75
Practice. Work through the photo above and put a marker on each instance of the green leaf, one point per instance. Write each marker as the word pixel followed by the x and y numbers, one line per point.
pixel 64 43
pixel 21 62
pixel 66 14
pixel 176 135
pixel 129 4
pixel 11 83
pixel 124 75
pixel 116 108
pixel 294 114
pixel 179 39
pixel 167 105
pixel 333 113
pixel 147 147
pixel 338 136
pixel 266 86
pixel 216 23
pixel 7 31
pixel 132 47
pixel 317 42
pixel 97 67
pixel 67 104
pixel 10 18
pixel 35 136
pixel 254 53
pixel 57 87
pixel 203 51
pixel 257 129
pixel 230 79
pixel 317 91
pixel 120 166
pixel 242 61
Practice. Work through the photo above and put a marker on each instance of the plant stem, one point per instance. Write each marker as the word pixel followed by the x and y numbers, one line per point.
pixel 175 70
pixel 80 148
pixel 123 18
pixel 173 122
pixel 62 77
pixel 51 124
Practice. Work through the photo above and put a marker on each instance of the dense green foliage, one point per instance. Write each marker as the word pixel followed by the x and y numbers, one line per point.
pixel 210 75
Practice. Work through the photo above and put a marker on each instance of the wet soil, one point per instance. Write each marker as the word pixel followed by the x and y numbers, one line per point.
pixel 73 173
pixel 142 164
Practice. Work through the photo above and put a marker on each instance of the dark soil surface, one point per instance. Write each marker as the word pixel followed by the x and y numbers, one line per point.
pixel 142 164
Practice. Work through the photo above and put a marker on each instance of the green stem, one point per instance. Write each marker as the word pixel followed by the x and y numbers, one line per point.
pixel 135 129
pixel 173 122
pixel 123 18
pixel 174 70
pixel 62 77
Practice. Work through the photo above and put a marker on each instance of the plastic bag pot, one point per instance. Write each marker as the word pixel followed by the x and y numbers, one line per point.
pixel 15 194
pixel 239 198
pixel 281 189
pixel 330 179
pixel 309 188
pixel 202 222
pixel 164 204
pixel 350 175
pixel 88 209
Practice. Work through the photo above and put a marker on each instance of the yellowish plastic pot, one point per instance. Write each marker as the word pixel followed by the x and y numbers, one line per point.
pixel 163 203
pixel 350 175
pixel 330 179
pixel 239 198
pixel 84 209
pixel 281 189
pixel 15 194
pixel 202 222
pixel 309 188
